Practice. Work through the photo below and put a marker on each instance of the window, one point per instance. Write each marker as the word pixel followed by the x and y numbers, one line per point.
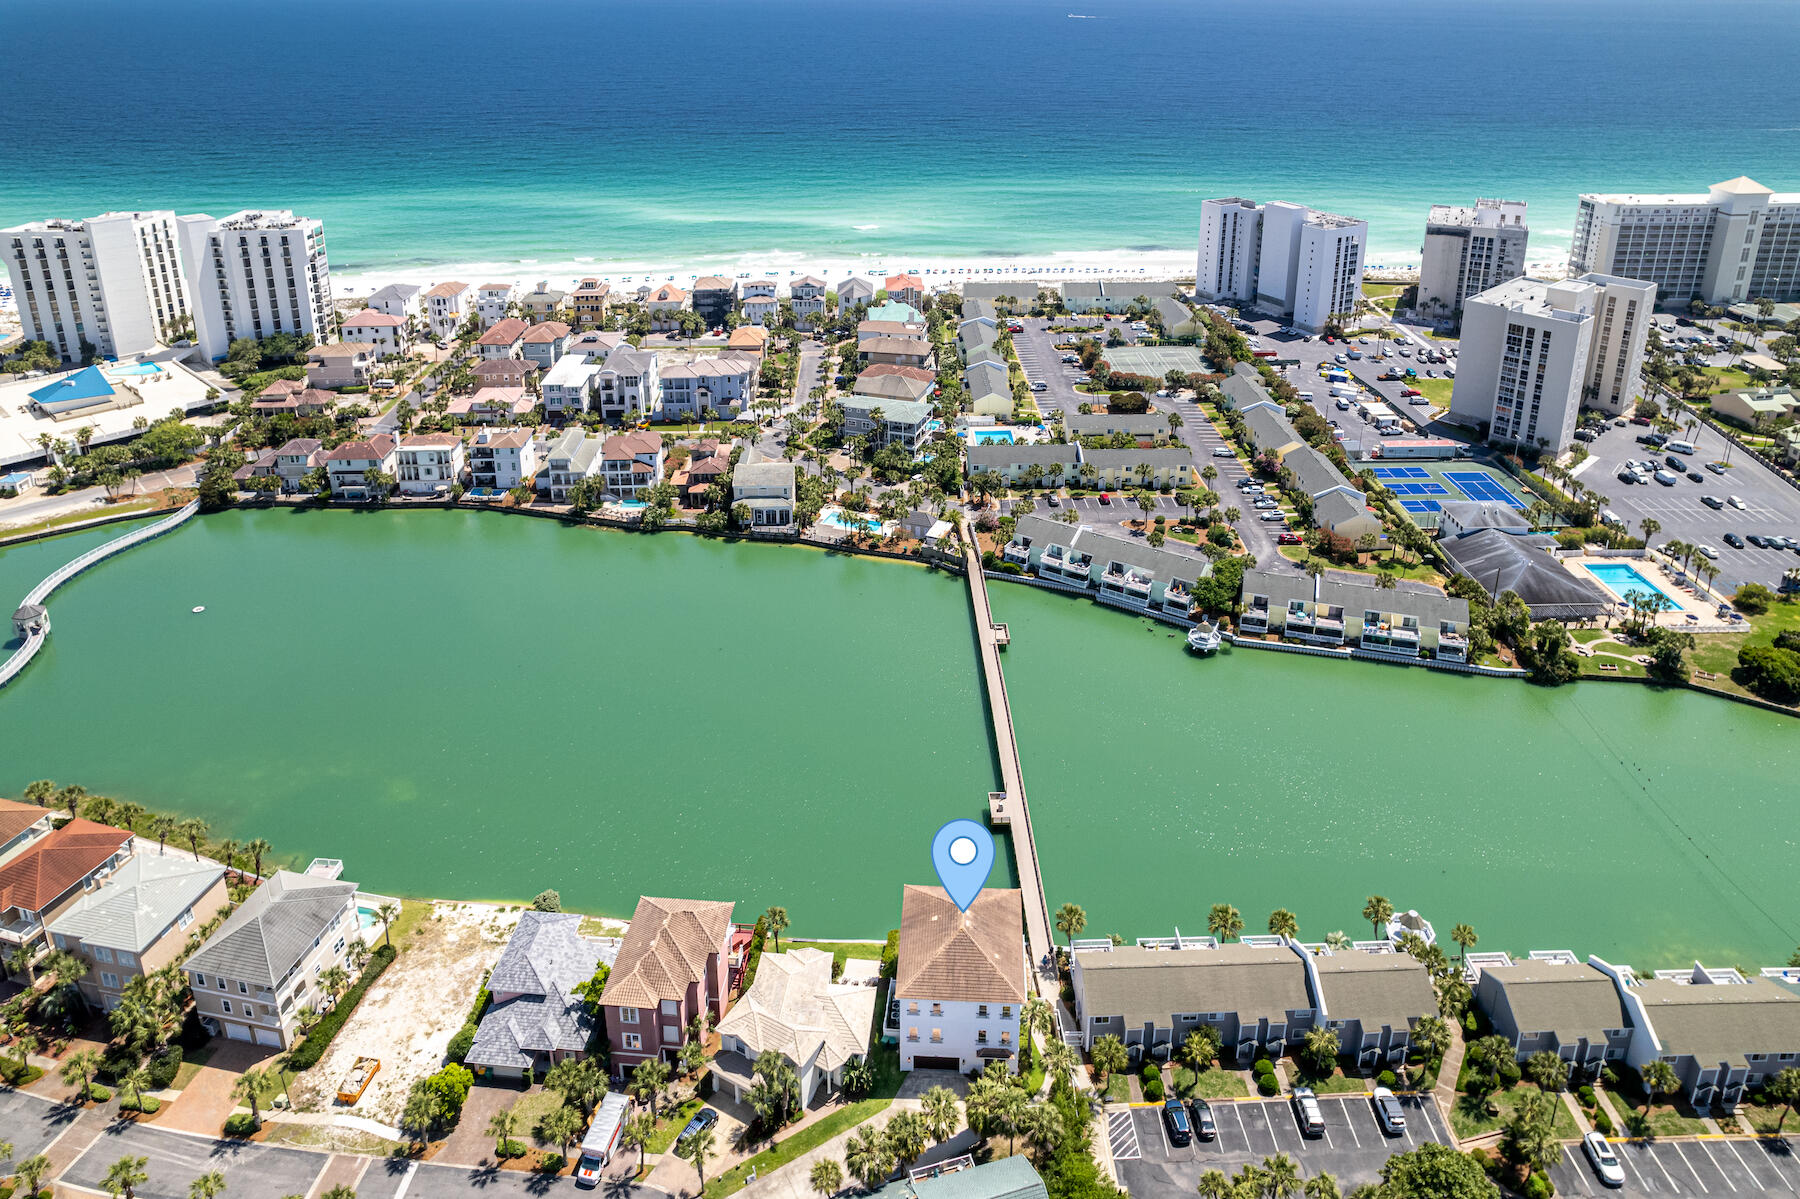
pixel 102 954
pixel 127 959
pixel 1006 1011
pixel 221 984
pixel 937 1009
pixel 981 1036
pixel 912 1007
pixel 243 987
pixel 1005 1037
pixel 981 1011
pixel 937 1035
pixel 633 1041
pixel 225 1005
pixel 670 1007
pixel 912 1033
pixel 628 1015
pixel 199 980
pixel 109 979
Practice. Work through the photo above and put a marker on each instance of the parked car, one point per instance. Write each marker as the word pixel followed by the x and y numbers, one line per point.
pixel 1600 1155
pixel 1388 1113
pixel 1707 551
pixel 1265 502
pixel 1695 476
pixel 1040 385
pixel 1735 503
pixel 1272 516
pixel 1200 1115
pixel 1055 500
pixel 1288 539
pixel 1343 405
pixel 706 1117
pixel 1307 1113
pixel 1717 468
pixel 1734 541
pixel 1712 501
pixel 1175 1118
pixel 1760 542
pixel 1106 499
pixel 1224 451
pixel 442 345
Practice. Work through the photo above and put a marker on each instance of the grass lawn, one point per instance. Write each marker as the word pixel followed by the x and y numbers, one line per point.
pixel 1762 1119
pixel 1717 652
pixel 1436 390
pixel 670 1126
pixel 1118 1088
pixel 191 1061
pixel 532 1107
pixel 1373 290
pixel 1422 572
pixel 847 949
pixel 1336 1083
pixel 1724 378
pixel 1665 1119
pixel 413 912
pixel 804 1141
pixel 1469 1116
pixel 145 506
pixel 1209 1084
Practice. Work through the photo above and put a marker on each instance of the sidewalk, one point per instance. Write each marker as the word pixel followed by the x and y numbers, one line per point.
pixel 1445 1090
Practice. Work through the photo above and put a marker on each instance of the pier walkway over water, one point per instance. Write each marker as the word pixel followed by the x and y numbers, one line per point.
pixel 1007 808
pixel 33 623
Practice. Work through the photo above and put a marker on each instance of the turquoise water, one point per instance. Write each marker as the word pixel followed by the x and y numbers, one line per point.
pixel 990 437
pixel 135 368
pixel 837 519
pixel 1096 136
pixel 1621 580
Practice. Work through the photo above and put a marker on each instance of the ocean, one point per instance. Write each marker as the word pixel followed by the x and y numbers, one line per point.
pixel 459 139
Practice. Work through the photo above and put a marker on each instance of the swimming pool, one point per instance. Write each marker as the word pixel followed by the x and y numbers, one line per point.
pixel 1621 580
pixel 136 368
pixel 366 917
pixel 990 436
pixel 836 518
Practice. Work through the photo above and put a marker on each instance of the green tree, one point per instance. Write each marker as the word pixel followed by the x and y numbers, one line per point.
pixel 1434 1171
pixel 1432 1034
pixel 1465 938
pixel 1659 1078
pixel 827 1177
pixel 1321 1186
pixel 637 1134
pixel 501 1126
pixel 907 1138
pixel 548 900
pixel 1529 1136
pixel 1043 1126
pixel 647 1083
pixel 1281 1177
pixel 125 1176
pixel 249 1088
pixel 30 1175
pixel 1200 1048
pixel 256 849
pixel 1224 922
pixel 209 1185
pixel 1321 1048
pixel 560 1127
pixel 387 913
pixel 1378 911
pixel 1109 1057
pixel 776 920
pixel 193 830
pixel 1547 1070
pixel 943 1116
pixel 1070 920
pixel 867 1157
pixel 1215 1185
pixel 1283 923
pixel 1784 1089
pixel 78 1071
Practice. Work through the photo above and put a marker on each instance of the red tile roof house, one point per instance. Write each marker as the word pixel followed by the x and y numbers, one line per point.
pixel 21 825
pixel 349 463
pixel 673 962
pixel 53 872
pixel 505 340
pixel 907 289
pixel 385 334
pixel 544 343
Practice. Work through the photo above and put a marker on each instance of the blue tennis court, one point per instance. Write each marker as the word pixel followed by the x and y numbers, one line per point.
pixel 1402 472
pixel 1478 485
pixel 1418 488
pixel 1421 505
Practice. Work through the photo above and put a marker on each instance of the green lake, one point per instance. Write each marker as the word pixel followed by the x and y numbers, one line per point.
pixel 476 705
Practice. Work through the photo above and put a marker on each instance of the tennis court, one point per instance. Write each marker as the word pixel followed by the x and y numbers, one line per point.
pixel 1421 505
pixel 1384 473
pixel 1425 488
pixel 1481 486
pixel 1157 361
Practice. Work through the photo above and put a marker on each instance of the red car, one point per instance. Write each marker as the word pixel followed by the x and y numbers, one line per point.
pixel 1015 328
pixel 1105 499
pixel 1330 340
pixel 1407 393
pixel 1287 539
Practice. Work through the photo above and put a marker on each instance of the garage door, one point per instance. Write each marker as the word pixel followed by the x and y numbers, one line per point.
pixel 268 1036
pixel 936 1063
pixel 236 1032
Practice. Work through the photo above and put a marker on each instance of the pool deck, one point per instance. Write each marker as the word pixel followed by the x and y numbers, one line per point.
pixel 1684 591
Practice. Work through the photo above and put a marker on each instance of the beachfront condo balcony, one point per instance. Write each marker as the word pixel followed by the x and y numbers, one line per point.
pixel 1138 583
pixel 1014 552
pixel 1453 646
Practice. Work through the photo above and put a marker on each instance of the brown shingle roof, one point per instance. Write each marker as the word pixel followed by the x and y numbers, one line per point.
pixel 420 440
pixel 500 366
pixel 282 387
pixel 34 879
pixel 976 956
pixel 665 950
pixel 373 449
pixel 15 818
pixel 505 332
pixel 369 316
pixel 446 290
pixel 630 445
pixel 917 374
pixel 546 331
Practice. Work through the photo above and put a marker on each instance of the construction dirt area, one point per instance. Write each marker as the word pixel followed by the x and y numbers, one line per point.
pixel 408 1017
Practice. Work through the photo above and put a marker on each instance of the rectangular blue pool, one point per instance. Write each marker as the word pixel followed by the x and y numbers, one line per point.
pixel 1621 580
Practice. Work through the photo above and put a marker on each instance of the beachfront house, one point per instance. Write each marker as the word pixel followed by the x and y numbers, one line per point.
pixel 21 824
pixel 504 339
pixel 1257 997
pixel 43 881
pixel 853 291
pixel 426 463
pixel 543 301
pixel 906 423
pixel 447 306
pixel 794 1009
pixel 760 309
pixel 589 301
pixel 492 300
pixel 575 456
pixel 341 364
pixel 629 382
pixel 906 289
pixel 672 965
pixel 1372 1001
pixel 570 386
pixel 632 463
pixel 1332 613
pixel 348 465
pixel 714 297
pixel 767 489
pixel 501 459
pixel 536 1019
pixel 806 295
pixel 960 980
pixel 1723 1033
pixel 663 302
pixel 404 300
pixel 297 458
pixel 1013 462
pixel 138 920
pixel 544 343
pixel 252 978
pixel 725 385
pixel 1557 1005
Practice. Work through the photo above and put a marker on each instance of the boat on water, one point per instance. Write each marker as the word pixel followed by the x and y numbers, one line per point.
pixel 1204 638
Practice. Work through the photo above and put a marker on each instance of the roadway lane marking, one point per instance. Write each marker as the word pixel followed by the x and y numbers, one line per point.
pixel 1691 1170
pixel 1576 1166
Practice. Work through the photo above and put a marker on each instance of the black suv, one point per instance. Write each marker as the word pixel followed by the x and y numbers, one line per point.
pixel 1175 1116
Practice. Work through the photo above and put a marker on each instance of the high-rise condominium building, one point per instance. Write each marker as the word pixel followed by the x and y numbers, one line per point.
pixel 1282 257
pixel 1534 353
pixel 1467 251
pixel 255 274
pixel 1739 241
pixel 113 281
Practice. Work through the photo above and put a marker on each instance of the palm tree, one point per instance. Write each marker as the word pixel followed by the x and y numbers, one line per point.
pixel 1281 1177
pixel 164 827
pixel 209 1185
pixel 1042 1125
pixel 29 1174
pixel 1659 1078
pixel 1036 1016
pixel 1321 1186
pixel 500 1126
pixel 387 913
pixel 1215 1185
pixel 1378 911
pixel 775 920
pixel 1200 1048
pixel 1283 923
pixel 134 1081
pixel 125 1176
pixel 249 1088
pixel 1432 1034
pixel 1224 922
pixel 647 1083
pixel 1547 1070
pixel 1108 1056
pixel 1337 940
pixel 906 1137
pixel 78 1071
pixel 866 1157
pixel 1070 920
pixel 256 849
pixel 637 1134
pixel 228 852
pixel 192 830
pixel 1465 938
pixel 827 1177
pixel 942 1114
pixel 1651 526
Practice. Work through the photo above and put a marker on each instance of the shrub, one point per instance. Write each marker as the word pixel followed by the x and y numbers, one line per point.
pixel 461 1043
pixel 890 954
pixel 319 1039
pixel 118 1061
pixel 1587 1096
pixel 1753 598
pixel 1509 1073
pixel 553 1163
pixel 1788 639
pixel 163 1067
pixel 1386 1079
pixel 508 1149
pixel 14 1076
pixel 149 1105
pixel 1538 1187
pixel 97 1093
pixel 1602 1121
pixel 240 1124
pixel 1771 673
pixel 1153 1088
pixel 1469 1021
pixel 1266 1084
pixel 1481 1156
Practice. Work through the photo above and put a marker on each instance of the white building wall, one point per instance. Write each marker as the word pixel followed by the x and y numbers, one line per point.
pixel 1621 332
pixel 1279 254
pixel 254 274
pixel 1739 241
pixel 114 280
pixel 56 282
pixel 1522 361
pixel 1469 250
pixel 140 276
pixel 959 1025
pixel 1230 249
pixel 1327 269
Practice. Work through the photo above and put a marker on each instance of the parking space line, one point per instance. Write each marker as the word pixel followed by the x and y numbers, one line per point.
pixel 1350 1119
pixel 1776 1166
pixel 1274 1141
pixel 1748 1172
pixel 1705 1149
pixel 1238 1110
pixel 1650 1150
pixel 1690 1165
pixel 1625 1156
pixel 1576 1166
pixel 1163 1132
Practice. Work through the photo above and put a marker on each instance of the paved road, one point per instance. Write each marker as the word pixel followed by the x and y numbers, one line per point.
pixel 1772 506
pixel 29 510
pixel 1714 1166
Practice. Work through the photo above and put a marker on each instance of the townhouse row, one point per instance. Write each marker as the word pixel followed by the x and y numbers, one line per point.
pixel 1126 574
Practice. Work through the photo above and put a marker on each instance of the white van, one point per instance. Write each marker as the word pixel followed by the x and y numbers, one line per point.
pixel 1307 396
pixel 1343 390
pixel 1679 447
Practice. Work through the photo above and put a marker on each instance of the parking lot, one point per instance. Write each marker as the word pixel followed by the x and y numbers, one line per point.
pixel 1352 1148
pixel 1771 506
pixel 1711 1166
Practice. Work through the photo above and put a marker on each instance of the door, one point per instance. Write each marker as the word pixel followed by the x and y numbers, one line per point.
pixel 268 1036
pixel 236 1032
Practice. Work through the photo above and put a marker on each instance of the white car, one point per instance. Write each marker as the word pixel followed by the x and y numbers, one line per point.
pixel 1224 451
pixel 1735 502
pixel 1605 1162
pixel 1707 551
pixel 1388 1112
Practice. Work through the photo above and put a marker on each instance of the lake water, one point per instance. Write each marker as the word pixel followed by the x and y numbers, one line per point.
pixel 477 705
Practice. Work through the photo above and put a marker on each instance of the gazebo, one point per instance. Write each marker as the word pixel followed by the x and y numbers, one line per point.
pixel 31 618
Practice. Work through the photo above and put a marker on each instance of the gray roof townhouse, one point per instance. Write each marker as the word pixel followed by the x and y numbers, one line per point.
pixel 1571 1009
pixel 1145 425
pixel 536 1018
pixel 139 920
pixel 1268 430
pixel 1256 996
pixel 1127 574
pixel 1372 1001
pixel 1332 612
pixel 1723 1033
pixel 1011 462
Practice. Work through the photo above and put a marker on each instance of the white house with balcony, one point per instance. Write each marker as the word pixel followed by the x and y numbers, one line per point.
pixel 725 384
pixel 570 385
pixel 1333 613
pixel 632 463
pixel 960 980
pixel 447 306
pixel 428 462
pixel 630 381
pixel 385 335
pixel 501 459
pixel 404 300
pixel 492 300
pixel 347 465
pixel 575 456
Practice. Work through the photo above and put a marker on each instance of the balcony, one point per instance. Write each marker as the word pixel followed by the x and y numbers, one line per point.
pixel 1453 646
pixel 1014 552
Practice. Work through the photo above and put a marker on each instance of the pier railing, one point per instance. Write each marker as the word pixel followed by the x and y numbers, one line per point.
pixel 34 641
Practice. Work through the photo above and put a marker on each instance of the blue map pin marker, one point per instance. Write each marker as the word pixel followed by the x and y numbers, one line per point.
pixel 963 853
